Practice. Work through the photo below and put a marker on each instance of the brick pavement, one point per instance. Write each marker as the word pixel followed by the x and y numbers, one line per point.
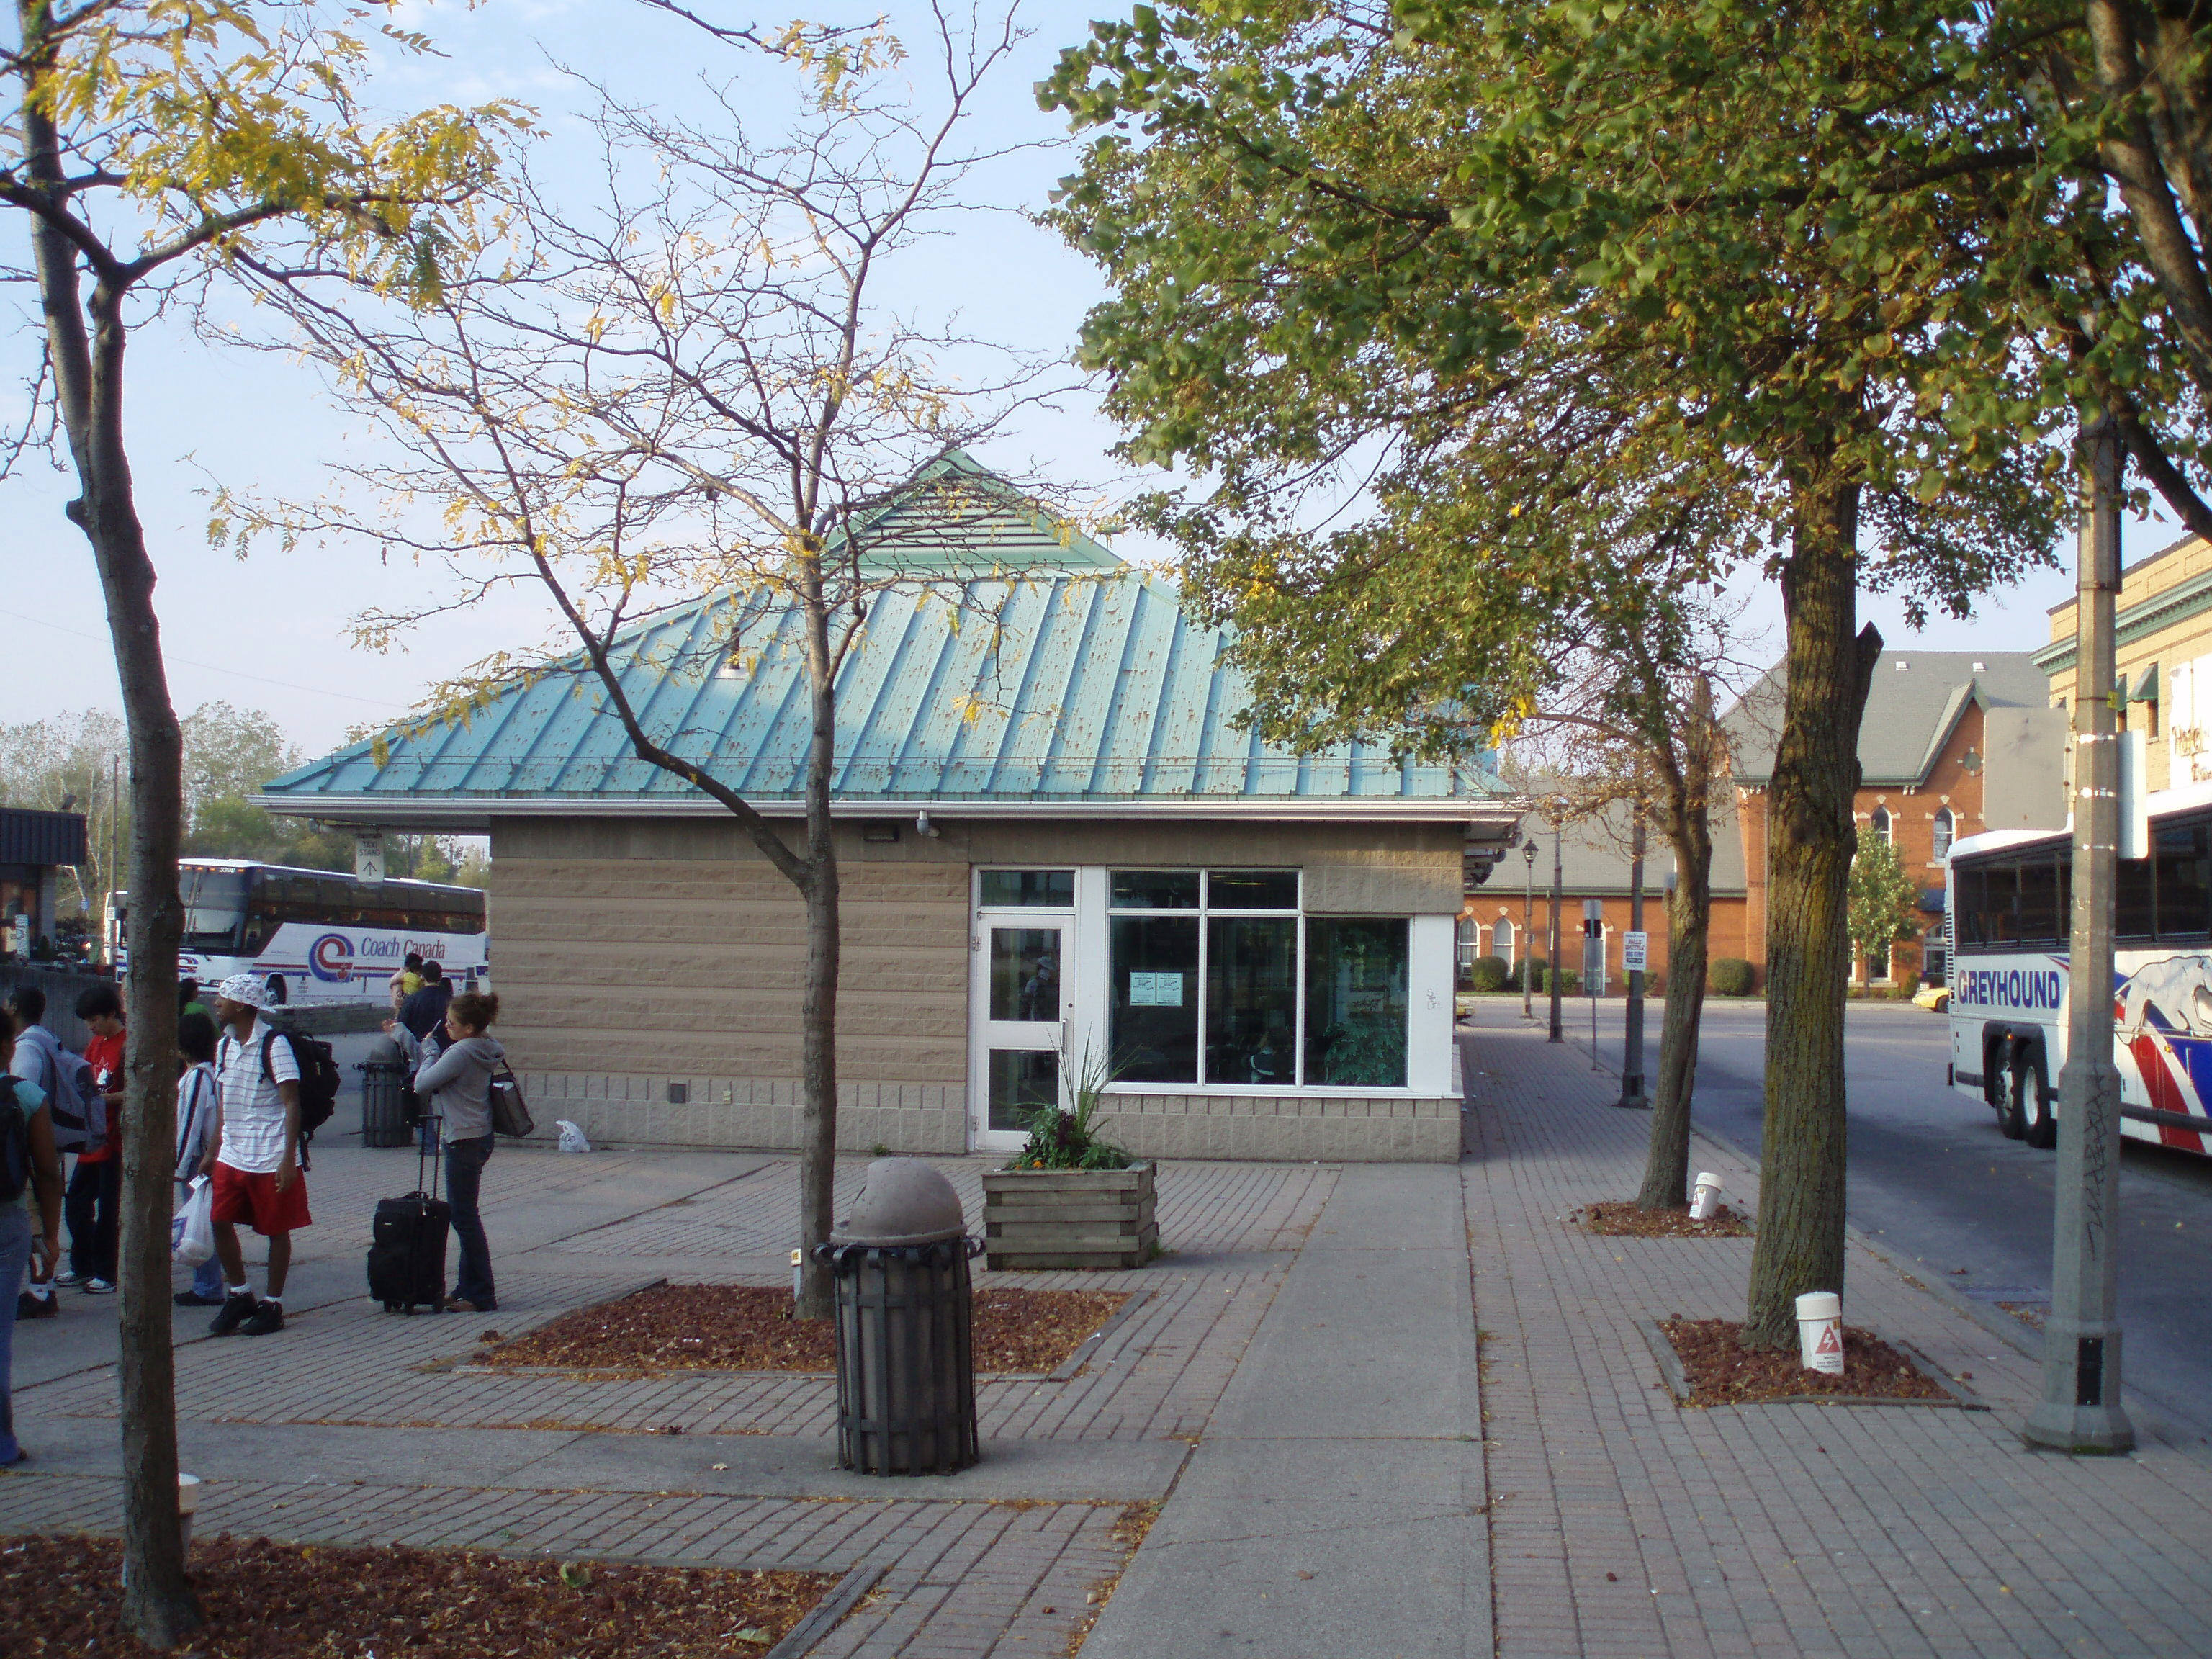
pixel 1623 1524
pixel 971 1570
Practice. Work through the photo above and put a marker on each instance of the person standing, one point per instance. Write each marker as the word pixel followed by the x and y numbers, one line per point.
pixel 35 1058
pixel 456 1087
pixel 40 1171
pixel 95 1187
pixel 406 982
pixel 256 1157
pixel 199 1114
pixel 425 1011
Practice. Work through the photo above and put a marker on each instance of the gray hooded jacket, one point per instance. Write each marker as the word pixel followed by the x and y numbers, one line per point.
pixel 457 1086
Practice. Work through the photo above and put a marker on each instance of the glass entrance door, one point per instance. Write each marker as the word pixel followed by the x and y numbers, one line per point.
pixel 1020 997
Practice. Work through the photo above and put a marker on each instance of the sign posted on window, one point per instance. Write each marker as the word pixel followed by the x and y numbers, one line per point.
pixel 1634 951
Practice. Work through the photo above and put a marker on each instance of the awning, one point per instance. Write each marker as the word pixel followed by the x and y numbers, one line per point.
pixel 1931 900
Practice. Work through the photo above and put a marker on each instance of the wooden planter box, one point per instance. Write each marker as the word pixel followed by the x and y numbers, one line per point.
pixel 1038 1219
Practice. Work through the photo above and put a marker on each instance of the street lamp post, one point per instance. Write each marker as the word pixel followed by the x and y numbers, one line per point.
pixel 1527 927
pixel 1559 891
pixel 1632 1059
pixel 2081 1407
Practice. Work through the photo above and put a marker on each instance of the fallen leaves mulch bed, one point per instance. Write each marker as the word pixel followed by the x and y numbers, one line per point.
pixel 1721 1373
pixel 1625 1219
pixel 748 1327
pixel 266 1601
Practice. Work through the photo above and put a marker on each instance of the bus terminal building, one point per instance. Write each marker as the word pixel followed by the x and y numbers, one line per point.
pixel 1058 849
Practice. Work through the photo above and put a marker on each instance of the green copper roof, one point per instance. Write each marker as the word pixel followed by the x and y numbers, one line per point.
pixel 1077 681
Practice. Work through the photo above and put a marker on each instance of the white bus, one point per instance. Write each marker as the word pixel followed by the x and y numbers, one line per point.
pixel 2007 915
pixel 316 936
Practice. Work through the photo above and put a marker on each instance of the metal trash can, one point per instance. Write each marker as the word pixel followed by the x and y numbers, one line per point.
pixel 383 1084
pixel 906 1372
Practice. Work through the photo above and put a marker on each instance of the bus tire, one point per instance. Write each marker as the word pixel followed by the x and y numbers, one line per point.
pixel 2038 1126
pixel 2011 1114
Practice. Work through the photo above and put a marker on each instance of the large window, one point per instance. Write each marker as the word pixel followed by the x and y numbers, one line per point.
pixel 1940 839
pixel 1217 980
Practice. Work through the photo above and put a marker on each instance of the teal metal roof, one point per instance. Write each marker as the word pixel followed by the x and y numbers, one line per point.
pixel 1085 687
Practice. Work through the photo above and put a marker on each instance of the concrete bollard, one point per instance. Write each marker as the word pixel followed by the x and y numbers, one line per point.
pixel 188 1503
pixel 1708 1195
pixel 1821 1332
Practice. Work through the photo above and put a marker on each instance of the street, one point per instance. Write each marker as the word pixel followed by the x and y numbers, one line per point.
pixel 1932 1180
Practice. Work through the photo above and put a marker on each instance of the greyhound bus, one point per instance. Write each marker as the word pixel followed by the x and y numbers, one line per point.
pixel 315 936
pixel 2007 915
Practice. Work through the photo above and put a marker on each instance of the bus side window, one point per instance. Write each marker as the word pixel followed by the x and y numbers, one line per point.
pixel 2133 910
pixel 1967 904
pixel 2001 904
pixel 2042 919
pixel 2184 853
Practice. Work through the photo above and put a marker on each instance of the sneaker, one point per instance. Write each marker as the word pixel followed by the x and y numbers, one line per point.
pixel 36 1307
pixel 266 1318
pixel 462 1304
pixel 194 1299
pixel 98 1287
pixel 64 1277
pixel 236 1310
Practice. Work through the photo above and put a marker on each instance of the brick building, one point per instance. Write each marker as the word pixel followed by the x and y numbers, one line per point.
pixel 1924 760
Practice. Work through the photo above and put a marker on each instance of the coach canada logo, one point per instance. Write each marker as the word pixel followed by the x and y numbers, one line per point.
pixel 330 958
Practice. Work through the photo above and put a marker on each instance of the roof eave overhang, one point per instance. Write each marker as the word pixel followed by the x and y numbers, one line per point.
pixel 469 815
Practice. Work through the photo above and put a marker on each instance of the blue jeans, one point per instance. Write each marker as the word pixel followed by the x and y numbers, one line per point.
pixel 15 1253
pixel 464 1162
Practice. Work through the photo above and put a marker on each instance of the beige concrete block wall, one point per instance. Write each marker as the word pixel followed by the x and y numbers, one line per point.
pixel 634 955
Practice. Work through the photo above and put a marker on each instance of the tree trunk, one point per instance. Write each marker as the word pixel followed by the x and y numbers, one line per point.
pixel 158 1606
pixel 1810 839
pixel 1689 918
pixel 817 1150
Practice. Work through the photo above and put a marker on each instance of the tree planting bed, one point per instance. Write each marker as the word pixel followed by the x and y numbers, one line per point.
pixel 1705 1365
pixel 1625 1219
pixel 748 1327
pixel 268 1600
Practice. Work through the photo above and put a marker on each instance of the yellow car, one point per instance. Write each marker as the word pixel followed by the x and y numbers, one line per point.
pixel 1936 999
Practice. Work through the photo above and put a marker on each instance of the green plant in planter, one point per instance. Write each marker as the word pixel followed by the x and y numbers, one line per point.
pixel 1069 1139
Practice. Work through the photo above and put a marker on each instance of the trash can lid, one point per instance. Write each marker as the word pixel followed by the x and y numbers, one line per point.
pixel 385 1051
pixel 903 1201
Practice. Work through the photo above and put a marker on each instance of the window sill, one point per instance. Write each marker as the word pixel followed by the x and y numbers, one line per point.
pixel 1270 1092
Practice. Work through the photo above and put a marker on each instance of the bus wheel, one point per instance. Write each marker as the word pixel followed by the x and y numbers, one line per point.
pixel 2039 1128
pixel 2012 1116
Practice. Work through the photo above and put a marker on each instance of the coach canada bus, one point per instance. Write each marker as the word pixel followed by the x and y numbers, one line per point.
pixel 2008 914
pixel 315 936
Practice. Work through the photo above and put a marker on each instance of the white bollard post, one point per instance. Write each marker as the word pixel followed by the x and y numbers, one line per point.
pixel 188 1503
pixel 1708 1195
pixel 797 1269
pixel 1821 1332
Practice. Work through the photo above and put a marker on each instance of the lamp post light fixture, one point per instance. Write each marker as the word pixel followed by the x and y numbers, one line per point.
pixel 1528 927
pixel 1558 893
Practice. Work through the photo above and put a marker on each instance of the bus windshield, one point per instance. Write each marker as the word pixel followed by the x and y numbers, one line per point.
pixel 214 908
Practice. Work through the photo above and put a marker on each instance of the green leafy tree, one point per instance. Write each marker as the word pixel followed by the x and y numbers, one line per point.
pixel 151 144
pixel 1882 896
pixel 1762 259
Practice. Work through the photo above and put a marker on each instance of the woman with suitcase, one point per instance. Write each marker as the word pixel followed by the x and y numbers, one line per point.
pixel 456 1086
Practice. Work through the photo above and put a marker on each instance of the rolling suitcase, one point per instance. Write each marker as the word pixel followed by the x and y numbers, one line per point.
pixel 407 1242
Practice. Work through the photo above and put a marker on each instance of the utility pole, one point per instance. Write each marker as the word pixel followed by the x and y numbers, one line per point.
pixel 1527 932
pixel 1559 891
pixel 1632 1059
pixel 2081 1407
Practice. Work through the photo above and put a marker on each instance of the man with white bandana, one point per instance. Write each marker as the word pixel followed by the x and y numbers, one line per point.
pixel 257 1155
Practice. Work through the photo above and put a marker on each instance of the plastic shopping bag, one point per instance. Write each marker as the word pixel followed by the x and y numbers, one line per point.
pixel 192 1230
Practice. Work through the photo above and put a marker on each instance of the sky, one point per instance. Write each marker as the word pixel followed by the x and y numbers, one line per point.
pixel 271 631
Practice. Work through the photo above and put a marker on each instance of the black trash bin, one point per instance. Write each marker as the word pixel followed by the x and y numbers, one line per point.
pixel 906 1371
pixel 383 1083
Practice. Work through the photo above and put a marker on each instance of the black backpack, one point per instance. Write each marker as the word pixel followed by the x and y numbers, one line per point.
pixel 319 1081
pixel 14 1143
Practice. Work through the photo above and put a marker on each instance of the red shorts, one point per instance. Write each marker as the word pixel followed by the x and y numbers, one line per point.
pixel 246 1195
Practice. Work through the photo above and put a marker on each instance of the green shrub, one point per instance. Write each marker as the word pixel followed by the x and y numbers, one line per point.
pixel 1907 984
pixel 1731 976
pixel 1488 974
pixel 1570 982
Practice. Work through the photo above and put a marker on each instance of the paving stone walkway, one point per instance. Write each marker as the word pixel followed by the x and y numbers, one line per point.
pixel 1403 1410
